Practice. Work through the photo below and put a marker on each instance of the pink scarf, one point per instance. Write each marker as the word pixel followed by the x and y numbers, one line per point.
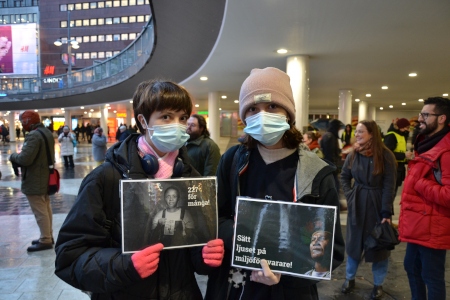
pixel 166 162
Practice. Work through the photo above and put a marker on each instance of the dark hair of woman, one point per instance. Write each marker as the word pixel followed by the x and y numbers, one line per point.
pixel 377 148
pixel 158 95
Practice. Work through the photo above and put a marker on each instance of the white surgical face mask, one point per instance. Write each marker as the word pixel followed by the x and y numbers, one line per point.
pixel 168 137
pixel 267 128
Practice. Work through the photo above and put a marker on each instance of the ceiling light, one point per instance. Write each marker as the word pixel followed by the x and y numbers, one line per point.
pixel 85 112
pixel 57 113
pixel 109 107
pixel 381 108
pixel 203 78
pixel 412 74
pixel 368 95
pixel 357 100
pixel 445 95
pixel 131 101
pixel 91 109
pixel 391 106
pixel 81 107
pixel 62 108
pixel 224 97
pixel 197 105
pixel 403 103
pixel 282 51
pixel 236 101
pixel 384 87
pixel 106 104
pixel 420 100
pixel 115 111
pixel 36 110
pixel 220 108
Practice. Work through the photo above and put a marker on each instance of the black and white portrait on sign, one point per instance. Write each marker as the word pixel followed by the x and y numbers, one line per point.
pixel 175 212
pixel 294 238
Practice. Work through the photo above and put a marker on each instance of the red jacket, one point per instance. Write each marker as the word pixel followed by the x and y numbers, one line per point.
pixel 425 205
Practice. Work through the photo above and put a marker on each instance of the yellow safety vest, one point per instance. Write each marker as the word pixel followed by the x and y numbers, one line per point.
pixel 401 144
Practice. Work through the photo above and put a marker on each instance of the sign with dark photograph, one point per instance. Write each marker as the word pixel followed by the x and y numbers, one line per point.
pixel 176 212
pixel 294 238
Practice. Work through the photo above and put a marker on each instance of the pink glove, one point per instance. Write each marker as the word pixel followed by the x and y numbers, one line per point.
pixel 146 261
pixel 213 253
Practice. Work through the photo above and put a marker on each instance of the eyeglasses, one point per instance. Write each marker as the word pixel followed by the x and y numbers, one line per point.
pixel 425 115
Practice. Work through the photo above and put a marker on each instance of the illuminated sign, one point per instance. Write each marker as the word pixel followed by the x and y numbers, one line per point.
pixel 49 70
pixel 20 48
pixel 52 80
pixel 121 115
pixel 202 112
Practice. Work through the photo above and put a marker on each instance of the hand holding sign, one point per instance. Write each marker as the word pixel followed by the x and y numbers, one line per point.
pixel 266 276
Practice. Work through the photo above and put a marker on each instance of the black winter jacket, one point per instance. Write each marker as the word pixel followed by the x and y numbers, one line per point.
pixel 315 185
pixel 88 254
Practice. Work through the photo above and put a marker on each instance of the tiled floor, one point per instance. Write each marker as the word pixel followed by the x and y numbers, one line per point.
pixel 31 275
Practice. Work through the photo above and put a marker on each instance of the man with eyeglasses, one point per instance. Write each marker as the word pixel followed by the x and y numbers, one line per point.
pixel 425 206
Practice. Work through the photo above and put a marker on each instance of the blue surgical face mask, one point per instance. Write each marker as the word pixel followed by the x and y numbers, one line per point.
pixel 168 137
pixel 267 128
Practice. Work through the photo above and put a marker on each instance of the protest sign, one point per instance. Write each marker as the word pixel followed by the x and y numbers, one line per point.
pixel 176 212
pixel 294 238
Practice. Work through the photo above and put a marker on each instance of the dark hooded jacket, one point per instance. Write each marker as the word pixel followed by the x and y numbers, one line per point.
pixel 330 144
pixel 315 185
pixel 88 249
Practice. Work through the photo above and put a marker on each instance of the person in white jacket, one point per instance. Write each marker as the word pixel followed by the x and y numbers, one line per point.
pixel 66 139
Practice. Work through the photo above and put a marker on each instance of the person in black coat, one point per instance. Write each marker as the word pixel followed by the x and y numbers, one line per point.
pixel 88 249
pixel 330 148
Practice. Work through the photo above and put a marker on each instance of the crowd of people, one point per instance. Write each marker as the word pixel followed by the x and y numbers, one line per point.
pixel 273 162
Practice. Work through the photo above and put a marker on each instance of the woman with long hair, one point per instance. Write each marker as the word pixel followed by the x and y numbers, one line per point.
pixel 372 166
pixel 311 139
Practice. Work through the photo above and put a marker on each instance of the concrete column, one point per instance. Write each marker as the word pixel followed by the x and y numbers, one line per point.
pixel 104 119
pixel 372 113
pixel 12 127
pixel 213 116
pixel 297 67
pixel 68 120
pixel 345 106
pixel 362 111
pixel 129 116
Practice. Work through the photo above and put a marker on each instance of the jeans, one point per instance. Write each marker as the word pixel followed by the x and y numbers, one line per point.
pixel 379 270
pixel 426 270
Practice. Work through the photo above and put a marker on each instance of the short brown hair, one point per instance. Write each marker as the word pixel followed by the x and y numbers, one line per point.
pixel 158 95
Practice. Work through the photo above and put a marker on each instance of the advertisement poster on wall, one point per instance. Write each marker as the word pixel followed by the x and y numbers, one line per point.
pixel 294 238
pixel 18 49
pixel 175 212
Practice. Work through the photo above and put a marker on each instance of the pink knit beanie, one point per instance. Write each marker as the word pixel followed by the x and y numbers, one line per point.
pixel 267 85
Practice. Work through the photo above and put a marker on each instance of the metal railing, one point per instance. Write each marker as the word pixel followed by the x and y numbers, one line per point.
pixel 105 74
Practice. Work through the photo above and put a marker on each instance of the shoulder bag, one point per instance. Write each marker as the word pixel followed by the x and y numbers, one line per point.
pixel 382 236
pixel 53 178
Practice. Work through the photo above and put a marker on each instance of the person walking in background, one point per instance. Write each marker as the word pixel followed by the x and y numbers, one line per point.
pixel 35 172
pixel 270 163
pixel 395 140
pixel 124 133
pixel 5 133
pixel 347 135
pixel 77 132
pixel 372 167
pixel 88 250
pixel 99 142
pixel 17 132
pixel 83 131
pixel 66 139
pixel 424 222
pixel 330 148
pixel 311 139
pixel 202 150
